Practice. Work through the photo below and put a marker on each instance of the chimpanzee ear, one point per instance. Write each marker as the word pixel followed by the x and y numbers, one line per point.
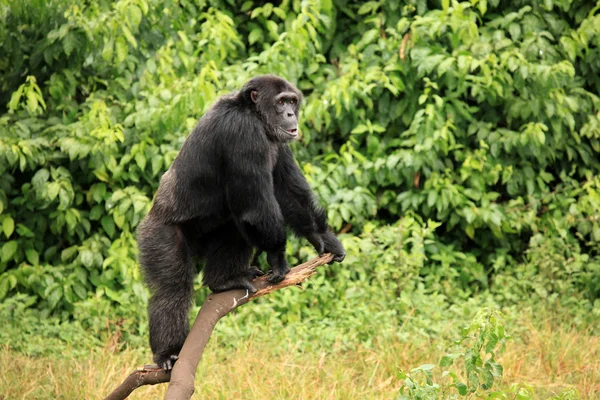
pixel 254 96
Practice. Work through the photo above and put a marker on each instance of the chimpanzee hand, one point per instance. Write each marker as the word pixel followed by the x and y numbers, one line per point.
pixel 279 266
pixel 328 243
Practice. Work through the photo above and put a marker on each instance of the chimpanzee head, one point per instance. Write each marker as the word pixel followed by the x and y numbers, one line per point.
pixel 277 103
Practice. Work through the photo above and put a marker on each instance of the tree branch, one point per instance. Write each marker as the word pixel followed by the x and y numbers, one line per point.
pixel 147 375
pixel 216 306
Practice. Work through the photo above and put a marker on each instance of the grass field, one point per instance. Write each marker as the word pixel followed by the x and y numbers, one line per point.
pixel 546 357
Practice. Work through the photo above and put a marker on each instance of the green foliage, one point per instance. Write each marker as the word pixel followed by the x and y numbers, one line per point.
pixel 486 336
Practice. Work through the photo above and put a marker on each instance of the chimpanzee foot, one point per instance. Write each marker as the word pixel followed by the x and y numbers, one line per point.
pixel 278 275
pixel 241 282
pixel 166 362
pixel 254 272
pixel 279 266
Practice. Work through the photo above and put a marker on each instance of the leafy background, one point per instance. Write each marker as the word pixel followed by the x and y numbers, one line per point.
pixel 455 144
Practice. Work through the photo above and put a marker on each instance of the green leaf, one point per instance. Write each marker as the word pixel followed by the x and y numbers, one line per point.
pixel 367 7
pixel 68 253
pixel 372 144
pixel 8 250
pixel 377 128
pixel 140 160
pixel 135 14
pixel 157 163
pixel 121 48
pixel 138 206
pixel 482 6
pixel 96 212
pixel 53 188
pixel 256 12
pixel 369 37
pixel 116 196
pixel 279 12
pixel 462 388
pixel 432 197
pixel 473 380
pixel 596 232
pixel 112 294
pixel 151 65
pixel 69 43
pixel 98 192
pixel 15 99
pixel 80 290
pixel 247 5
pixel 470 231
pixel 488 379
pixel 255 36
pixel 40 177
pixel 124 206
pixel 70 219
pixel 107 51
pixel 54 297
pixel 109 225
pixel 361 128
pixel 3 287
pixel 81 274
pixel 119 218
pixel 345 213
pixel 447 360
pixel 272 28
pixel 445 65
pixel 87 258
pixel 425 367
pixel 32 105
pixel 98 259
pixel 8 226
pixel 32 256
pixel 128 36
pixel 515 31
pixel 267 9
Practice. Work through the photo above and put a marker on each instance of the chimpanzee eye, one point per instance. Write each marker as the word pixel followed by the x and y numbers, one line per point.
pixel 280 102
pixel 293 102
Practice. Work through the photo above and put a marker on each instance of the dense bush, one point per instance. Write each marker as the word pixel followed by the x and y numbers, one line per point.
pixel 455 143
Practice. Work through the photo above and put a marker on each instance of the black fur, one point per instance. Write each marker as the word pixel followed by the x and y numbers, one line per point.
pixel 233 188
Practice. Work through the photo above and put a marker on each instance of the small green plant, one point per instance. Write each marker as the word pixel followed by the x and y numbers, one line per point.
pixel 476 350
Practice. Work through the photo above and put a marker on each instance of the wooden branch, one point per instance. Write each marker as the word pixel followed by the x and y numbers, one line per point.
pixel 216 306
pixel 147 375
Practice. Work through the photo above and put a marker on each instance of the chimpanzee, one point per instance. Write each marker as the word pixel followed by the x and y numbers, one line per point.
pixel 233 188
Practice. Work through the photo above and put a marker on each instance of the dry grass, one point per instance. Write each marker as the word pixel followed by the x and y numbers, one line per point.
pixel 547 358
pixel 553 359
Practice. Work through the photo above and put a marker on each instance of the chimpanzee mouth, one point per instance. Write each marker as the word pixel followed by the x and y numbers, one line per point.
pixel 288 135
pixel 292 132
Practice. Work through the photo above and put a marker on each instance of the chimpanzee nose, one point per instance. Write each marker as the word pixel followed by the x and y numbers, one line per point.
pixel 290 114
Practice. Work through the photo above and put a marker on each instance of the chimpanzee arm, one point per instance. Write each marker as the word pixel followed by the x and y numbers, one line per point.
pixel 298 204
pixel 251 199
pixel 300 208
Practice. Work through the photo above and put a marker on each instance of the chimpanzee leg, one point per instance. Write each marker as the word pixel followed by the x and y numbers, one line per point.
pixel 228 257
pixel 169 273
